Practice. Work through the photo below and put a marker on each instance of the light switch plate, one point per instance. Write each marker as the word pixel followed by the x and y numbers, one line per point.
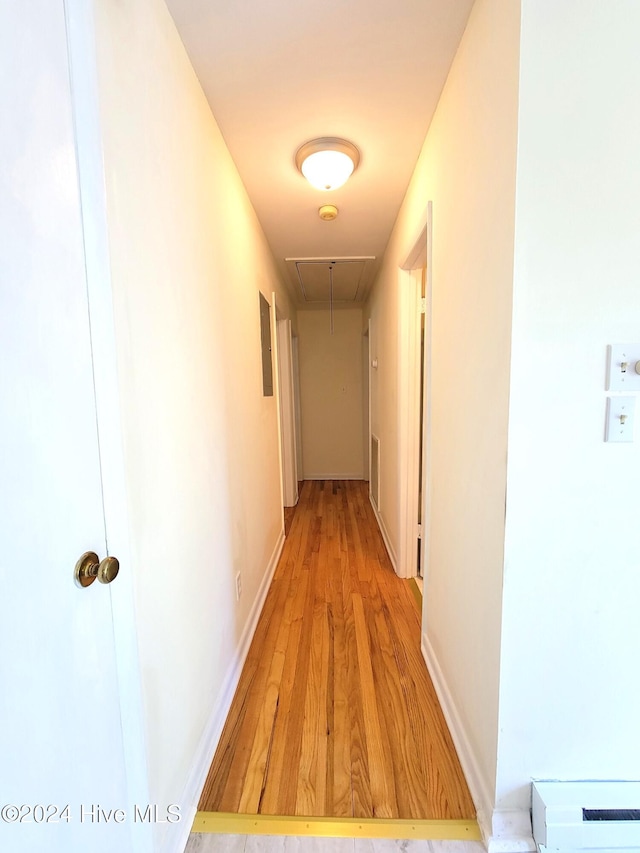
pixel 621 367
pixel 620 416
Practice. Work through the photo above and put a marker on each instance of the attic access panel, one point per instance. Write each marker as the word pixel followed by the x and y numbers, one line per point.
pixel 314 279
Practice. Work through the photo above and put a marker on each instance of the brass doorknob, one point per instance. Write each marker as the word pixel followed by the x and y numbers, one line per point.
pixel 89 567
pixel 108 569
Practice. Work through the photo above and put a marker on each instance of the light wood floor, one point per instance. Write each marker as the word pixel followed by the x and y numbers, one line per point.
pixel 335 714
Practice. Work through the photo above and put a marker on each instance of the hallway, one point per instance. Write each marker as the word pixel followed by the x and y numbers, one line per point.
pixel 335 714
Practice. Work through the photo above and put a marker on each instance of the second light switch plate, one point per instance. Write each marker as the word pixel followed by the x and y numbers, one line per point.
pixel 620 416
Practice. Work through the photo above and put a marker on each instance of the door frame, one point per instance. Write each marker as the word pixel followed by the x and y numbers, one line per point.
pixel 366 400
pixel 295 357
pixel 409 436
pixel 275 367
pixel 286 403
pixel 83 72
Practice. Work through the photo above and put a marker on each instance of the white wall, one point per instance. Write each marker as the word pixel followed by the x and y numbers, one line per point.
pixel 549 693
pixel 569 698
pixel 188 259
pixel 467 168
pixel 198 432
pixel 331 396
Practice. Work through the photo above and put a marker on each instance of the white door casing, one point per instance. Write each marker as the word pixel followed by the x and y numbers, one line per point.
pixel 287 414
pixel 410 435
pixel 273 317
pixel 70 723
pixel 366 404
pixel 295 360
pixel 426 414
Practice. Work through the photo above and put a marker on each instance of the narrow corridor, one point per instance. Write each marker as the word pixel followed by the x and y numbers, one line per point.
pixel 335 714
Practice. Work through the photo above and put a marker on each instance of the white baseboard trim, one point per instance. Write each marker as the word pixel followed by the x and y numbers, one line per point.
pixel 510 832
pixel 478 786
pixel 385 536
pixel 333 476
pixel 176 835
pixel 503 831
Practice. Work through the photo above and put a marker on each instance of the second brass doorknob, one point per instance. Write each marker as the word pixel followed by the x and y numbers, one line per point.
pixel 89 567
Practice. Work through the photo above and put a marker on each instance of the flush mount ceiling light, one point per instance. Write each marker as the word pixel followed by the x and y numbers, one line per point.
pixel 327 163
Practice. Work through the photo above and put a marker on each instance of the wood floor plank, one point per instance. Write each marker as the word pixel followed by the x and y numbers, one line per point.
pixel 231 794
pixel 312 768
pixel 410 793
pixel 279 764
pixel 255 777
pixel 225 757
pixel 449 792
pixel 327 805
pixel 292 742
pixel 362 803
pixel 335 713
pixel 380 769
pixel 341 787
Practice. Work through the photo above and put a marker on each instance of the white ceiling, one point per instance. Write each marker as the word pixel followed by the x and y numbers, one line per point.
pixel 278 73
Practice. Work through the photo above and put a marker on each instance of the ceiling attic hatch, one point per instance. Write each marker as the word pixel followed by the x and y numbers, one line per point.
pixel 314 277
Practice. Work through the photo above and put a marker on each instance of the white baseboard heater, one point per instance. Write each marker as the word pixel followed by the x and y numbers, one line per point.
pixel 572 816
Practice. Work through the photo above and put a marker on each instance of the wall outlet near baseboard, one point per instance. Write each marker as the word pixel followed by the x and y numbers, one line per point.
pixel 238 586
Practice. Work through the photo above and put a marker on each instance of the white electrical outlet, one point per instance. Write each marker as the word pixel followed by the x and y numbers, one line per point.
pixel 238 586
pixel 623 367
pixel 620 412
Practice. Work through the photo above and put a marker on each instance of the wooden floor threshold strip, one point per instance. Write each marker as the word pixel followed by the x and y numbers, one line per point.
pixel 331 827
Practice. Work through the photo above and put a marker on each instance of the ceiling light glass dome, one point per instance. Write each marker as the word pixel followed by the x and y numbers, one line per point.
pixel 327 163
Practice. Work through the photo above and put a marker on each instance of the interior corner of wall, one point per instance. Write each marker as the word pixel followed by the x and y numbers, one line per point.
pixel 480 786
pixel 508 831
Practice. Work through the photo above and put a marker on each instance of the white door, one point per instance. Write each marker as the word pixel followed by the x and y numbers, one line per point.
pixel 62 767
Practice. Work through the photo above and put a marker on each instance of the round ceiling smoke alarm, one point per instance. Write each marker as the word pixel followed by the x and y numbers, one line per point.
pixel 328 212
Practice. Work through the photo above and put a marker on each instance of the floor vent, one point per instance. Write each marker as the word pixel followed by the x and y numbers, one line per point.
pixel 586 815
pixel 374 485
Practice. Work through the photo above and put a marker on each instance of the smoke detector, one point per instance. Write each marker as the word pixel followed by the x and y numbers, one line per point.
pixel 328 212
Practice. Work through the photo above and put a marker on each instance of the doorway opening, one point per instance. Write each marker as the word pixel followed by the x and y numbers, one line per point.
pixel 288 413
pixel 366 401
pixel 422 290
